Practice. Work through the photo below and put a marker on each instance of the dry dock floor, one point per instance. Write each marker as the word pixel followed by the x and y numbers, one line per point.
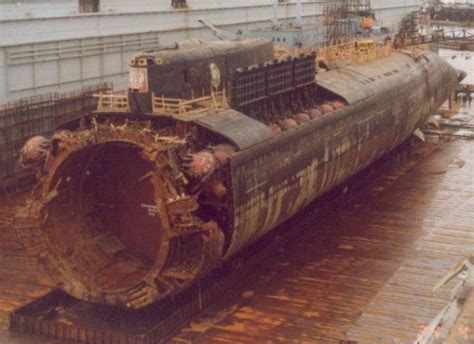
pixel 365 272
pixel 360 270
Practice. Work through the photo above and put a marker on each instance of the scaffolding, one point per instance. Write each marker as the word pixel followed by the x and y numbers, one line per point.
pixel 409 30
pixel 38 115
pixel 359 51
pixel 341 18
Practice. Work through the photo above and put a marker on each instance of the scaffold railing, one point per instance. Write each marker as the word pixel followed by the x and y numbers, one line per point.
pixel 112 102
pixel 216 99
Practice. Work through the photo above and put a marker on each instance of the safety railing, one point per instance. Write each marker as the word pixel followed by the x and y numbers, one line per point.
pixel 112 102
pixel 188 107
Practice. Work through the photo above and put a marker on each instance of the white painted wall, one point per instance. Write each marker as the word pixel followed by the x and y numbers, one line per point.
pixel 164 5
pixel 16 9
pixel 10 9
pixel 458 2
pixel 37 29
pixel 57 20
pixel 389 12
pixel 69 64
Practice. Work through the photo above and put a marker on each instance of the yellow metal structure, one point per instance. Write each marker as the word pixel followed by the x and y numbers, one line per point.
pixel 112 102
pixel 187 107
pixel 118 102
pixel 357 51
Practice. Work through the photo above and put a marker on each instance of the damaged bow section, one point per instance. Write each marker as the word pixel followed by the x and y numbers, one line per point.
pixel 115 218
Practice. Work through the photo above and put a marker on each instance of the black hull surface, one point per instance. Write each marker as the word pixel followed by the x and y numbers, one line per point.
pixel 275 179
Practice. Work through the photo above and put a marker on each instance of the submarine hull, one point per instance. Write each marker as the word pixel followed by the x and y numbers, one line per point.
pixel 388 100
pixel 117 221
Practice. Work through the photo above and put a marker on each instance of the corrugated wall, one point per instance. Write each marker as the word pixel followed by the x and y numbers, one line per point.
pixel 69 64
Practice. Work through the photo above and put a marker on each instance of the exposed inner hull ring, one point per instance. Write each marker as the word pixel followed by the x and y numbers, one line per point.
pixel 112 222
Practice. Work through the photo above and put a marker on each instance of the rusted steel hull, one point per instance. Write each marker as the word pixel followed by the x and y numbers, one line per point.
pixel 276 179
pixel 129 213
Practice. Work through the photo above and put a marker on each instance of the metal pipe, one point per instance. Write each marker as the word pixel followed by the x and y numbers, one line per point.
pixel 298 13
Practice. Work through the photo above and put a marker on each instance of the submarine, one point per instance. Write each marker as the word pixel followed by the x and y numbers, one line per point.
pixel 212 146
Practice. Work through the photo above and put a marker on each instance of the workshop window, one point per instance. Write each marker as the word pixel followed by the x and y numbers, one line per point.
pixel 88 6
pixel 179 3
